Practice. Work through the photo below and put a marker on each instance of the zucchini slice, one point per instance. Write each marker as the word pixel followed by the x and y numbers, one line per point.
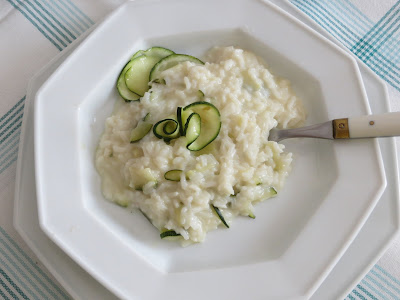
pixel 123 90
pixel 146 216
pixel 169 233
pixel 180 121
pixel 137 54
pixel 170 127
pixel 192 129
pixel 268 192
pixel 137 75
pixel 173 175
pixel 166 129
pixel 169 62
pixel 200 94
pixel 140 131
pixel 220 216
pixel 210 123
pixel 146 118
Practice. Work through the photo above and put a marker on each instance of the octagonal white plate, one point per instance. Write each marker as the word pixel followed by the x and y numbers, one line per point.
pixel 293 244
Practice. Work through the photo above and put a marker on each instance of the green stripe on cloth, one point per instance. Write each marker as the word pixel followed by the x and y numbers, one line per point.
pixel 10 144
pixel 366 292
pixel 77 14
pixel 8 290
pixel 386 273
pixel 27 270
pixel 51 19
pixel 351 297
pixel 60 22
pixel 65 23
pixel 13 108
pixel 2 293
pixel 61 26
pixel 68 15
pixel 355 292
pixel 22 272
pixel 58 33
pixel 329 22
pixel 40 22
pixel 35 24
pixel 80 12
pixel 22 294
pixel 12 151
pixel 379 285
pixel 373 289
pixel 19 279
pixel 378 47
pixel 365 41
pixel 11 121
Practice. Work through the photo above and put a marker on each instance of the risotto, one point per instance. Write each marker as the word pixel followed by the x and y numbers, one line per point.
pixel 239 168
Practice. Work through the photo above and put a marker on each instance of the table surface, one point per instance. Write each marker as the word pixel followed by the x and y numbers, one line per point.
pixel 32 32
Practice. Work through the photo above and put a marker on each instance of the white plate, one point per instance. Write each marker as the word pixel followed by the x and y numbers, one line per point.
pixel 379 230
pixel 311 236
pixel 78 283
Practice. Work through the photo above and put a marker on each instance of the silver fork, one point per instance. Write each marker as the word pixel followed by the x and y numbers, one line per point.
pixel 383 125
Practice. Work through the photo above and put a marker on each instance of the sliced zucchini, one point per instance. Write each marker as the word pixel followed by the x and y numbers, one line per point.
pixel 169 233
pixel 251 215
pixel 192 129
pixel 180 121
pixel 169 62
pixel 210 123
pixel 170 127
pixel 141 177
pixel 121 203
pixel 140 131
pixel 268 192
pixel 173 175
pixel 166 129
pixel 123 90
pixel 137 75
pixel 220 216
pixel 146 118
pixel 146 216
pixel 137 54
pixel 200 94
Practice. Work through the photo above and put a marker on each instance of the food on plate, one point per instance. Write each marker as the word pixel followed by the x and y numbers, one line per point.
pixel 189 145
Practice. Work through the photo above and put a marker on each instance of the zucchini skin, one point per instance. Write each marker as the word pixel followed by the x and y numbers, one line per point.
pixel 169 233
pixel 221 217
pixel 161 132
pixel 169 62
pixel 179 118
pixel 122 89
pixel 140 131
pixel 194 119
pixel 197 107
pixel 173 175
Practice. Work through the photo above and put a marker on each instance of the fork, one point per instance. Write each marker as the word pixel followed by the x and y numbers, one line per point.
pixel 368 126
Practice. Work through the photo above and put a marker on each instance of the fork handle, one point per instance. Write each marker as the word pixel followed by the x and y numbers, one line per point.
pixel 387 124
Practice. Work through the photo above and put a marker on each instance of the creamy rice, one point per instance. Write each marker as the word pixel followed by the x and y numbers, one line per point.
pixel 240 162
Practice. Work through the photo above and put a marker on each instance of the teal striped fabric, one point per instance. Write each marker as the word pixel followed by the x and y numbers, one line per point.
pixel 61 22
pixel 376 44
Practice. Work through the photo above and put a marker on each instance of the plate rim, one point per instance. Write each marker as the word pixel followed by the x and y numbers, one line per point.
pixel 18 177
pixel 61 244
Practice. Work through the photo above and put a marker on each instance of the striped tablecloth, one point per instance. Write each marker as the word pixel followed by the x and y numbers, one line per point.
pixel 32 32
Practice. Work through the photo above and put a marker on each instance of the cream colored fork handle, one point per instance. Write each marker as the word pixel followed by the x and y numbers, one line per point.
pixel 387 124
